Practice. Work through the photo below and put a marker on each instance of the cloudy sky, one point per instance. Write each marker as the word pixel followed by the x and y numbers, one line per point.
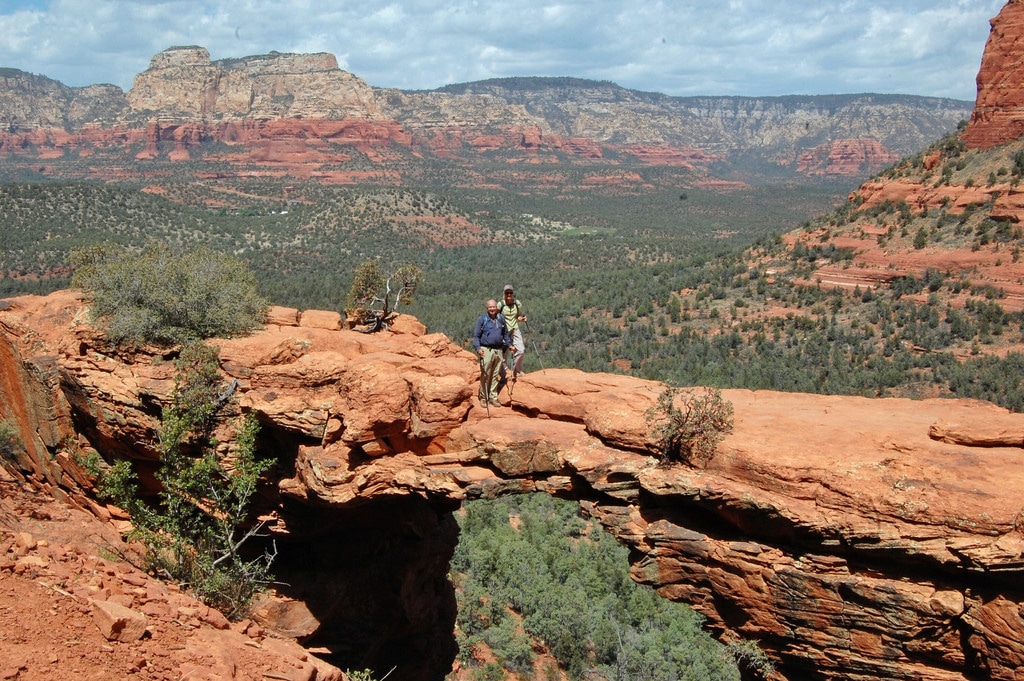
pixel 677 47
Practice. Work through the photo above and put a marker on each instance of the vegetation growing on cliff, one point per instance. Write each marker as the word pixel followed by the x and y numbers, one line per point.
pixel 377 292
pixel 10 445
pixel 168 296
pixel 197 529
pixel 691 431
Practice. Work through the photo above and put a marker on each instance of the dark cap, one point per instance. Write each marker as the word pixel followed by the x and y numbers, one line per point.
pixel 507 288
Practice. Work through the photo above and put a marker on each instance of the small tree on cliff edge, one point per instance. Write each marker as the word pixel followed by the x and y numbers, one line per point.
pixel 195 529
pixel 690 434
pixel 376 293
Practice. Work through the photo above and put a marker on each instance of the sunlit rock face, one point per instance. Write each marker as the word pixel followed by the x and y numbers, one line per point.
pixel 184 83
pixel 851 537
pixel 998 115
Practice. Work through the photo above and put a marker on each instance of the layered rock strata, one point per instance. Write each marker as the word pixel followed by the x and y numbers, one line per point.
pixel 852 538
pixel 263 87
pixel 998 115
pixel 186 103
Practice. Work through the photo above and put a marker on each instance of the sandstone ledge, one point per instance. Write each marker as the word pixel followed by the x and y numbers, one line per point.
pixel 822 522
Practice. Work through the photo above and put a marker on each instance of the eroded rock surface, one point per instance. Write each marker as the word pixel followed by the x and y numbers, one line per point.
pixel 851 537
pixel 997 116
pixel 73 607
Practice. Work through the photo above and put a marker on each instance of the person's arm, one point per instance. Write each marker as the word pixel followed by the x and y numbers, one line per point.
pixel 477 331
pixel 506 338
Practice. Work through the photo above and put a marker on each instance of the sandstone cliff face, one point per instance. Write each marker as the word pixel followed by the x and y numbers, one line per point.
pixel 29 102
pixel 719 125
pixel 997 116
pixel 183 84
pixel 852 538
pixel 845 157
pixel 184 101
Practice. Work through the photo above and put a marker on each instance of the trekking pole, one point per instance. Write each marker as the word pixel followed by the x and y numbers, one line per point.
pixel 509 367
pixel 486 375
pixel 534 343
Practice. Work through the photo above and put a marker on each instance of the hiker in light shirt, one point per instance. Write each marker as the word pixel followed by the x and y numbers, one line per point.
pixel 512 310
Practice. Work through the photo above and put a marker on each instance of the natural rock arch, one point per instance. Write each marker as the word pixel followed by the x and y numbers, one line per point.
pixel 852 537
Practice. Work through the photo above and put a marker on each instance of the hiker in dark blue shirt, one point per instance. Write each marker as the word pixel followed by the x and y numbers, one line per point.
pixel 490 338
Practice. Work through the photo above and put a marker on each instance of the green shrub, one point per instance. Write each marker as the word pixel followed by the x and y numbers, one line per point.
pixel 167 296
pixel 196 529
pixel 750 657
pixel 921 238
pixel 690 434
pixel 360 675
pixel 490 671
pixel 10 444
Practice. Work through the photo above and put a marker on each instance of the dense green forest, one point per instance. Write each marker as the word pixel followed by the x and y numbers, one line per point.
pixel 530 568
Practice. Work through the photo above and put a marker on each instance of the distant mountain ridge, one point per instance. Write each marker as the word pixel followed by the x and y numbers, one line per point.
pixel 35 101
pixel 185 101
pixel 899 122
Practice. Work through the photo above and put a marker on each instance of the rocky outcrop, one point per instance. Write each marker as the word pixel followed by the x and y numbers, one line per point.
pixel 875 261
pixel 845 157
pixel 292 145
pixel 852 538
pixel 183 85
pixel 70 609
pixel 780 128
pixel 929 191
pixel 30 102
pixel 998 115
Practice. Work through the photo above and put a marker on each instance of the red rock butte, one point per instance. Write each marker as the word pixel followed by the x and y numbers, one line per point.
pixel 998 115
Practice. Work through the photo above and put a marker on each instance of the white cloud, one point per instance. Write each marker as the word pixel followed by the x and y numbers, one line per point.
pixel 684 47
